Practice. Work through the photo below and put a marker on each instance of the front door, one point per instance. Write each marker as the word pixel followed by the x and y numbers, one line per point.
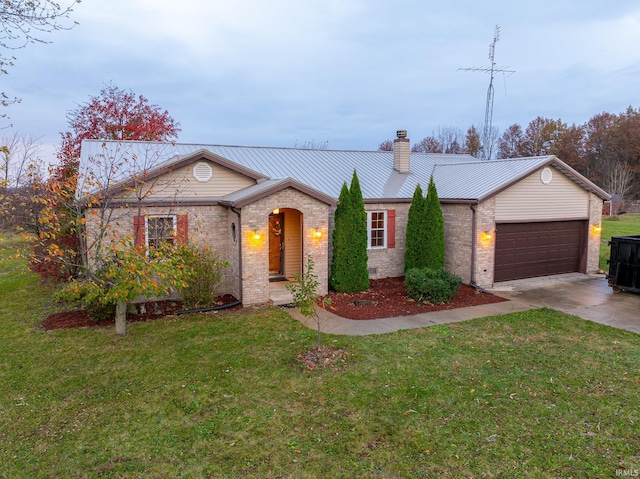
pixel 276 244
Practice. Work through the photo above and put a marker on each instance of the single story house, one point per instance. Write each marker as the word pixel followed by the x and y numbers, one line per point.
pixel 264 209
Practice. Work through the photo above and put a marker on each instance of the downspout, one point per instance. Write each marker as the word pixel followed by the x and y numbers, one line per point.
pixel 473 245
pixel 239 235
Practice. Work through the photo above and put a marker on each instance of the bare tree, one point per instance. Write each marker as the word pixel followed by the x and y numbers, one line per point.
pixel 19 160
pixel 489 144
pixel 450 138
pixel 313 145
pixel 619 179
pixel 28 21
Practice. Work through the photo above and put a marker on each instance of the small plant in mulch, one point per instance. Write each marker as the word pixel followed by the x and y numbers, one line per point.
pixel 323 357
pixel 305 297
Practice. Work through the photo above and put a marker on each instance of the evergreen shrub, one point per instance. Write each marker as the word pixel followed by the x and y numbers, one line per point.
pixel 431 285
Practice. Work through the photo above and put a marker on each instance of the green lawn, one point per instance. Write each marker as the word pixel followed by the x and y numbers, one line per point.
pixel 624 225
pixel 528 395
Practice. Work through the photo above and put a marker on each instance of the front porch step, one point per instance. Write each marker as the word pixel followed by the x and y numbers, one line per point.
pixel 279 294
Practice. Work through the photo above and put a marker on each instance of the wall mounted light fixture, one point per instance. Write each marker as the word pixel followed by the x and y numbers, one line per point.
pixel 597 228
pixel 255 235
pixel 317 233
pixel 487 235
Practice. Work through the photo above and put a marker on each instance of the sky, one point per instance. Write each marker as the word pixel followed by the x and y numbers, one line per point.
pixel 345 73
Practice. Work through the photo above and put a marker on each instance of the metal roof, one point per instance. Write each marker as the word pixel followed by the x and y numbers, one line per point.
pixel 457 177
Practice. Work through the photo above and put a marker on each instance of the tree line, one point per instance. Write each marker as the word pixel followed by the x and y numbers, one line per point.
pixel 605 149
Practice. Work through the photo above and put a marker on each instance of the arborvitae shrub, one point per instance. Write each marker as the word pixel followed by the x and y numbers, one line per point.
pixel 434 228
pixel 349 271
pixel 359 275
pixel 415 236
pixel 341 242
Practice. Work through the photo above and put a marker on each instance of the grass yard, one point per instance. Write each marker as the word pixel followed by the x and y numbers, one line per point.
pixel 625 225
pixel 528 395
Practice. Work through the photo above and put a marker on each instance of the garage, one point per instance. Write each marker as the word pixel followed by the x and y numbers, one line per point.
pixel 527 250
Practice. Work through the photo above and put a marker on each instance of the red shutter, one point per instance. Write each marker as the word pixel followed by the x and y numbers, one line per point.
pixel 391 228
pixel 183 229
pixel 139 236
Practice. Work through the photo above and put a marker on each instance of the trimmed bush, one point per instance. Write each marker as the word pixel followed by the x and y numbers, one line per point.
pixel 100 312
pixel 431 285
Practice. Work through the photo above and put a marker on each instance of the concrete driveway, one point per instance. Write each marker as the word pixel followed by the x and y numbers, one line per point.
pixel 587 296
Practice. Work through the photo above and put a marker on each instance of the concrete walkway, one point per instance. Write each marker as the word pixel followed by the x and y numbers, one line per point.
pixel 587 296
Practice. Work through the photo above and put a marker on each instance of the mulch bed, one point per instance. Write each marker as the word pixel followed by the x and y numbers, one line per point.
pixel 152 310
pixel 387 298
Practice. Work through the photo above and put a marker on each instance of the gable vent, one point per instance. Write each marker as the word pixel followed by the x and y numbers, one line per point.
pixel 202 172
pixel 546 175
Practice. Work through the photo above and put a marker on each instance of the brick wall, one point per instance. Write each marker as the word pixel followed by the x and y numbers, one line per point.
pixel 485 248
pixel 457 239
pixel 255 253
pixel 389 262
pixel 207 225
pixel 593 245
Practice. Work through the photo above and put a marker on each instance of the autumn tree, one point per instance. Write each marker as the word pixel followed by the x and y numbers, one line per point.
pixel 510 144
pixel 600 145
pixel 114 114
pixel 26 22
pixel 386 145
pixel 570 148
pixel 541 136
pixel 428 144
pixel 473 142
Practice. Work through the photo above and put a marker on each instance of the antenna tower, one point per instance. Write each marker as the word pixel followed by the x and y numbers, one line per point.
pixel 487 145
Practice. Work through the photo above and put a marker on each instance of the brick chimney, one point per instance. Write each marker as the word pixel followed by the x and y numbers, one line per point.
pixel 401 152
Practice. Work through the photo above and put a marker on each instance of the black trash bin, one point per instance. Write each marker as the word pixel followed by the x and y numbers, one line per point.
pixel 624 263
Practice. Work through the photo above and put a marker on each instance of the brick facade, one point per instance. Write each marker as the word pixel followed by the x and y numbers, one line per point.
pixel 255 254
pixel 593 245
pixel 231 233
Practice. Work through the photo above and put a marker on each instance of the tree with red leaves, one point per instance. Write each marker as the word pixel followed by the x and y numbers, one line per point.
pixel 114 114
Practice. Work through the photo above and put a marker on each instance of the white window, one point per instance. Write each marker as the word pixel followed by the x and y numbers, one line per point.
pixel 377 229
pixel 161 229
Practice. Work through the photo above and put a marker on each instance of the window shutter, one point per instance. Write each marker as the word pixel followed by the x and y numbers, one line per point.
pixel 391 228
pixel 183 228
pixel 139 235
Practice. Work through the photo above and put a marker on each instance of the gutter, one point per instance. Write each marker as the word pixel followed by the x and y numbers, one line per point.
pixel 239 236
pixel 473 244
pixel 212 308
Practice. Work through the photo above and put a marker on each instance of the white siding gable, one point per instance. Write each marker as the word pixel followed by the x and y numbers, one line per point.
pixel 532 199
